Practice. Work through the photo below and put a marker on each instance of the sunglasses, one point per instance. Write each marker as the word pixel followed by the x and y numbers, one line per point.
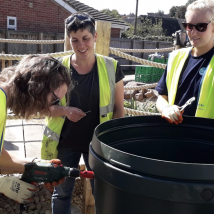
pixel 81 18
pixel 200 27
pixel 56 102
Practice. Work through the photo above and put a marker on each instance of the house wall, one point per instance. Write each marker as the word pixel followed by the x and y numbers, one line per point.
pixel 44 16
pixel 115 33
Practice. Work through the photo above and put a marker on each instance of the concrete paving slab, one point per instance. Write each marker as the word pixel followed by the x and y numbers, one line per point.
pixel 34 121
pixel 14 122
pixel 14 131
pixel 33 132
pixel 33 149
pixel 16 149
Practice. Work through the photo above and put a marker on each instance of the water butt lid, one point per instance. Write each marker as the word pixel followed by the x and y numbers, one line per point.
pixel 149 145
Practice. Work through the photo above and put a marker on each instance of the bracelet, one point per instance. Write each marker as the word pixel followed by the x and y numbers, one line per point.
pixel 64 108
pixel 35 160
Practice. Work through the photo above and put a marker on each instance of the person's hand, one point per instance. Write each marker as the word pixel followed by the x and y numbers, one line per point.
pixel 18 190
pixel 74 114
pixel 50 186
pixel 172 114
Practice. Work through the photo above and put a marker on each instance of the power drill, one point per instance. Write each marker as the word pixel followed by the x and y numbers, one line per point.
pixel 49 172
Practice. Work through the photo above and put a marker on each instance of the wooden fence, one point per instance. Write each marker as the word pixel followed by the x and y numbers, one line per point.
pixel 5 63
pixel 19 48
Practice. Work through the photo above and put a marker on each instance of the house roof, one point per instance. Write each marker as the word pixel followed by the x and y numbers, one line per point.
pixel 76 6
pixel 130 20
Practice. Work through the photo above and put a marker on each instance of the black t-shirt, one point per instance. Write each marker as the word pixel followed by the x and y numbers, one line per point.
pixel 85 96
pixel 189 81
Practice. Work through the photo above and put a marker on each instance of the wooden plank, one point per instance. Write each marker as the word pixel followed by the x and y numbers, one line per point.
pixel 103 30
pixel 3 62
pixel 40 45
pixel 10 61
pixel 88 198
pixel 67 45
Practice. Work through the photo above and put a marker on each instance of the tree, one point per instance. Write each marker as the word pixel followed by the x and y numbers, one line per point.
pixel 160 12
pixel 114 13
pixel 173 11
pixel 181 12
pixel 146 28
pixel 189 2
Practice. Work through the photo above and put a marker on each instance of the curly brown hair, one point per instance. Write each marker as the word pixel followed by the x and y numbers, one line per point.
pixel 31 81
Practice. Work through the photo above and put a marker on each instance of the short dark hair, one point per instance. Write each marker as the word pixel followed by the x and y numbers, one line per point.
pixel 80 20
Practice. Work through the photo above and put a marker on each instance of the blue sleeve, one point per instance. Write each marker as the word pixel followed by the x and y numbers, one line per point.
pixel 161 87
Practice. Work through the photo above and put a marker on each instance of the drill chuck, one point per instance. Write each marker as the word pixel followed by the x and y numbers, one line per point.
pixel 74 173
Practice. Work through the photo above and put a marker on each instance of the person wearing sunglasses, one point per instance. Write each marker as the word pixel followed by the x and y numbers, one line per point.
pixel 27 89
pixel 97 97
pixel 189 71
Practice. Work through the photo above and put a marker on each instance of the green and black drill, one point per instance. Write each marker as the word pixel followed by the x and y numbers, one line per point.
pixel 49 172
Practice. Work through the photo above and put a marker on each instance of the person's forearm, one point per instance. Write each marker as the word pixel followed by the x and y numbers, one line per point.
pixel 11 162
pixel 118 102
pixel 118 112
pixel 162 102
pixel 57 111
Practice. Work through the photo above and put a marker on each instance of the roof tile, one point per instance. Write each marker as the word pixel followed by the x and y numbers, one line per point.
pixel 96 14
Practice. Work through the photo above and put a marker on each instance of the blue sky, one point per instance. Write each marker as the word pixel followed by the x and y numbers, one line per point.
pixel 129 6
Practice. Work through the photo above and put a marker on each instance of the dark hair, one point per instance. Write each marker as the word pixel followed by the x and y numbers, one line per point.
pixel 31 81
pixel 80 21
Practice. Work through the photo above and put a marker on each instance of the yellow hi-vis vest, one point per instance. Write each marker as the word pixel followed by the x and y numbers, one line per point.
pixel 106 72
pixel 3 118
pixel 205 97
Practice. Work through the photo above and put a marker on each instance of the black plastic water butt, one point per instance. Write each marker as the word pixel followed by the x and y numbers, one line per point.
pixel 144 165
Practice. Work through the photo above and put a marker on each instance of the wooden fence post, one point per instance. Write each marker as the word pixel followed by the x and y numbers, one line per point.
pixel 142 47
pixel 41 45
pixel 103 30
pixel 3 62
pixel 131 53
pixel 7 34
pixel 10 61
pixel 56 37
pixel 67 45
pixel 88 199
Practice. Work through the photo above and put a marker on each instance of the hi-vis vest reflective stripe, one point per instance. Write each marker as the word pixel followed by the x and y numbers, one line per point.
pixel 106 72
pixel 205 97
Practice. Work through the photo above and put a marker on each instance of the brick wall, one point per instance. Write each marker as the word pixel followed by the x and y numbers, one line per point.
pixel 115 33
pixel 44 16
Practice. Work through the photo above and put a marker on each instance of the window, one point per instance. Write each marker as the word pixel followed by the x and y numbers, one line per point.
pixel 11 23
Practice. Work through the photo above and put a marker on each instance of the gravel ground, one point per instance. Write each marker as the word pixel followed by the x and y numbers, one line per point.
pixel 41 201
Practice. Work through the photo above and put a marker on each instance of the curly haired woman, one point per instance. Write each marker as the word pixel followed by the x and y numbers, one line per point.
pixel 28 88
